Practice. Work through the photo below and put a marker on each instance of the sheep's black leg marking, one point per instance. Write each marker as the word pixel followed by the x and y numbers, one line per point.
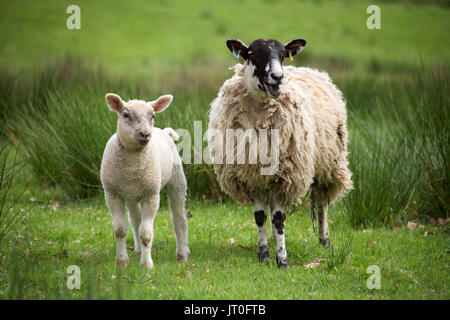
pixel 278 221
pixel 263 250
pixel 278 218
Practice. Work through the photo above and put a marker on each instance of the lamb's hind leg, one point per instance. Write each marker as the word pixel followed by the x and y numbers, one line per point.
pixel 176 192
pixel 260 219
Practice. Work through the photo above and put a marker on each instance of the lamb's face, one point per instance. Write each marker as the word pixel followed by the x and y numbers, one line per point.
pixel 135 118
pixel 264 62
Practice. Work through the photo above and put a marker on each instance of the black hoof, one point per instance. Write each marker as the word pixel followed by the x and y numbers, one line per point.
pixel 325 242
pixel 282 263
pixel 263 253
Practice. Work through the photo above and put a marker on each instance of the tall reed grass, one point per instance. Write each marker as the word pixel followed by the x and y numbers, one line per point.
pixel 399 132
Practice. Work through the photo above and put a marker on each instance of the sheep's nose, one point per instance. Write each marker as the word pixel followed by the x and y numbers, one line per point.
pixel 144 135
pixel 276 76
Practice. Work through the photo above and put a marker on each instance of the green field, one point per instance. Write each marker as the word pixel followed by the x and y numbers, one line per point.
pixel 146 36
pixel 223 264
pixel 53 80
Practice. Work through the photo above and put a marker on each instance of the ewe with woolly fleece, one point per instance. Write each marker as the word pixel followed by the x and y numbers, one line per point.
pixel 311 118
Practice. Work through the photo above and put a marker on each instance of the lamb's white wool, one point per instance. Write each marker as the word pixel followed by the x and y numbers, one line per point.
pixel 310 117
pixel 138 162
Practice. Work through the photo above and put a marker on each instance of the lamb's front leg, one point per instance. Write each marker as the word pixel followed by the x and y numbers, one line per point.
pixel 134 214
pixel 117 209
pixel 149 209
pixel 278 218
pixel 260 219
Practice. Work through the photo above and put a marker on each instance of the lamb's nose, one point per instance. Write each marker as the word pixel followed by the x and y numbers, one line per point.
pixel 277 76
pixel 144 135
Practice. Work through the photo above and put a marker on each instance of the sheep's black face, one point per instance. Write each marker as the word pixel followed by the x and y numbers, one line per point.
pixel 265 58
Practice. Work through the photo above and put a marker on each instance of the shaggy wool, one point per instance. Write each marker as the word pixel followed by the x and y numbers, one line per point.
pixel 310 116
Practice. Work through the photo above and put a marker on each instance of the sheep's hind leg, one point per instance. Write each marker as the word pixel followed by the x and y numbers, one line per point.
pixel 322 208
pixel 117 209
pixel 260 219
pixel 134 214
pixel 278 218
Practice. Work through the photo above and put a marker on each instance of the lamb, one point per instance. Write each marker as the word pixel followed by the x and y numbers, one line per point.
pixel 307 112
pixel 138 162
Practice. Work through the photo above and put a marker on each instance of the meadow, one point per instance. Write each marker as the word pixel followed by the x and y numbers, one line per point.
pixel 55 123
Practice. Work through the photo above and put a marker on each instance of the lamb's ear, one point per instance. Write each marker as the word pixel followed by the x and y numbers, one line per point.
pixel 294 47
pixel 162 103
pixel 114 102
pixel 237 48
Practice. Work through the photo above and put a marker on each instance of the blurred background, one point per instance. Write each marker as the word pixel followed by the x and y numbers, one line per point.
pixel 395 81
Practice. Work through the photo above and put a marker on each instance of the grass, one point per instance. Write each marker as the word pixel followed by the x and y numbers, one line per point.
pixel 337 255
pixel 224 262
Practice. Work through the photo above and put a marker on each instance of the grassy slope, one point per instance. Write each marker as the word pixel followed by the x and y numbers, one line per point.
pixel 138 36
pixel 47 242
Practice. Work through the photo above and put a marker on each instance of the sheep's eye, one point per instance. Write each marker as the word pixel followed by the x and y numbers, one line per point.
pixel 126 115
pixel 152 116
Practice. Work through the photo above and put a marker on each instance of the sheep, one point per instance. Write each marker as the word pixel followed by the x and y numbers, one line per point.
pixel 138 162
pixel 308 113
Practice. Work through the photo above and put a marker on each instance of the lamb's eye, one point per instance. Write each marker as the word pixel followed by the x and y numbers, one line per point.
pixel 152 116
pixel 126 115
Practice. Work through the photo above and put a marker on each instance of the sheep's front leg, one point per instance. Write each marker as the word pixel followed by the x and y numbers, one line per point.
pixel 117 209
pixel 278 218
pixel 134 214
pixel 260 219
pixel 149 208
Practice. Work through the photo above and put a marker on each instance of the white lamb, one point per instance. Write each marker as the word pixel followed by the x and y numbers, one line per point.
pixel 138 162
pixel 309 114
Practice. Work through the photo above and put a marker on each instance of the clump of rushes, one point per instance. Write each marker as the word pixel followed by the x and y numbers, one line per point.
pixel 399 150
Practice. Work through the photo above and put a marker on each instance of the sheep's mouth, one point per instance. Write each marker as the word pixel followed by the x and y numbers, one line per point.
pixel 273 89
pixel 143 142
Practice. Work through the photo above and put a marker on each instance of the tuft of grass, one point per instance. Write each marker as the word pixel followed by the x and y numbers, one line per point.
pixel 11 210
pixel 337 255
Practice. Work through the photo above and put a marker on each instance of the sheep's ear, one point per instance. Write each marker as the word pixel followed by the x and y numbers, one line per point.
pixel 114 102
pixel 162 103
pixel 294 47
pixel 237 48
